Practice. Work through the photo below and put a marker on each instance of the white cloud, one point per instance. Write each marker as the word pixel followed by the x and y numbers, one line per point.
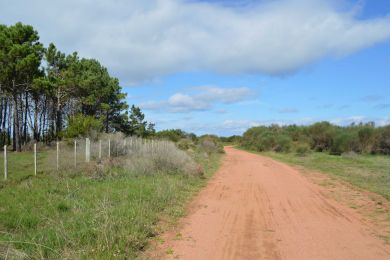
pixel 379 121
pixel 205 99
pixel 143 40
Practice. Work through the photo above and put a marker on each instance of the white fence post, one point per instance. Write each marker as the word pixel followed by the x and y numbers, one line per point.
pixel 100 149
pixel 35 159
pixel 5 163
pixel 109 148
pixel 87 150
pixel 58 155
pixel 75 153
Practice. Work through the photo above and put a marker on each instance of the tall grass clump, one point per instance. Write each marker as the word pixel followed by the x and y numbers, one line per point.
pixel 130 154
pixel 155 157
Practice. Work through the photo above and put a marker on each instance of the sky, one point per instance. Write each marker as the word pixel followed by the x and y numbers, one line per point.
pixel 222 66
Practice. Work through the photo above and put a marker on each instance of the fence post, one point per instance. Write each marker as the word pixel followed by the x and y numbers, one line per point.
pixel 75 153
pixel 87 150
pixel 109 148
pixel 5 163
pixel 35 159
pixel 100 149
pixel 58 155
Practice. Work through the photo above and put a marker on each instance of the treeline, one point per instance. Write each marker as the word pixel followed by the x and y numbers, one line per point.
pixel 321 137
pixel 43 91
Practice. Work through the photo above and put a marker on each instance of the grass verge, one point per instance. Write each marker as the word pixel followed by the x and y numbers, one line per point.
pixel 370 172
pixel 76 216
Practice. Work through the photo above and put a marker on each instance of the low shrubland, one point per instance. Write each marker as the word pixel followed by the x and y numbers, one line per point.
pixel 107 208
pixel 319 137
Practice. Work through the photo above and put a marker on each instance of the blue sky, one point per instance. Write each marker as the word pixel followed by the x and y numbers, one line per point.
pixel 223 66
pixel 343 90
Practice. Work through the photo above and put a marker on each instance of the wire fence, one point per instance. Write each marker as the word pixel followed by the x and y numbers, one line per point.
pixel 77 154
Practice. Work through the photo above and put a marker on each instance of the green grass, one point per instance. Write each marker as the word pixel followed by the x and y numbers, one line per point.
pixel 21 166
pixel 370 172
pixel 76 216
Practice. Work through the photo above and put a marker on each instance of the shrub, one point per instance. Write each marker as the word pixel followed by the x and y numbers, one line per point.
pixel 283 143
pixel 382 143
pixel 234 139
pixel 294 132
pixel 211 144
pixel 81 126
pixel 322 136
pixel 173 135
pixel 366 138
pixel 344 142
pixel 184 144
pixel 266 141
pixel 302 149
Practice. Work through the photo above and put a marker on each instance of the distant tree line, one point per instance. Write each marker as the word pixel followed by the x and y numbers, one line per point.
pixel 46 94
pixel 321 137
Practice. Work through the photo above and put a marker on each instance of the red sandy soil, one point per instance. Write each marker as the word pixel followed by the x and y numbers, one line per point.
pixel 258 208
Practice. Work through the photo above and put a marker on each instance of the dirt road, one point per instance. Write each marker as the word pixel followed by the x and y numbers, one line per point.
pixel 257 208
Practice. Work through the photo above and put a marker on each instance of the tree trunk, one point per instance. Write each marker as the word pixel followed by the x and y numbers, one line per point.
pixel 35 127
pixel 17 139
pixel 5 120
pixel 9 122
pixel 1 113
pixel 107 122
pixel 17 145
pixel 25 118
pixel 58 115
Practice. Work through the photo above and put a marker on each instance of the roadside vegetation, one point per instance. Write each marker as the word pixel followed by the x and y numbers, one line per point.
pixel 319 137
pixel 108 209
pixel 358 154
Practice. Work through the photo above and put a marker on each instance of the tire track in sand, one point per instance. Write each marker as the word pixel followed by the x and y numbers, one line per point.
pixel 257 208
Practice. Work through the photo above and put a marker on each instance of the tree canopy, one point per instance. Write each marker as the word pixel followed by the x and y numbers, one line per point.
pixel 44 90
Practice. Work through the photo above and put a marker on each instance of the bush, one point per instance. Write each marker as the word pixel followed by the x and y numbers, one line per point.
pixel 366 137
pixel 184 144
pixel 322 136
pixel 266 142
pixel 211 144
pixel 234 139
pixel 173 135
pixel 382 143
pixel 283 143
pixel 302 149
pixel 344 142
pixel 82 126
